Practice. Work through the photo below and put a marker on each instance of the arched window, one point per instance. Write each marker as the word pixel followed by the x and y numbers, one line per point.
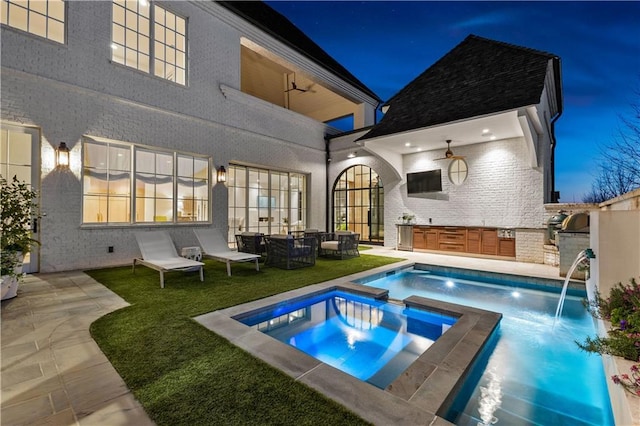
pixel 358 203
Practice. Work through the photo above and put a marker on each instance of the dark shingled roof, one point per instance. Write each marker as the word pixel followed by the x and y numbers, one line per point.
pixel 479 76
pixel 264 17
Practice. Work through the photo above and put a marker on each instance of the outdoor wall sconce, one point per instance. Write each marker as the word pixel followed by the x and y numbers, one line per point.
pixel 221 175
pixel 62 156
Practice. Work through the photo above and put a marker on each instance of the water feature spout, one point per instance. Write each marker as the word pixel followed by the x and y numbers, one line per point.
pixel 583 255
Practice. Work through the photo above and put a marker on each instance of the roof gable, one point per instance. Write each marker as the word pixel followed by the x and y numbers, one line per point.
pixel 478 77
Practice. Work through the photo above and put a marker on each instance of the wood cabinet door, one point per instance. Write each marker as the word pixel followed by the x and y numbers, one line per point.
pixel 473 241
pixel 489 241
pixel 419 241
pixel 507 247
pixel 431 237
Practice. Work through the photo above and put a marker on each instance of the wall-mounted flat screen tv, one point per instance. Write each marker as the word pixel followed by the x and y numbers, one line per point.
pixel 421 182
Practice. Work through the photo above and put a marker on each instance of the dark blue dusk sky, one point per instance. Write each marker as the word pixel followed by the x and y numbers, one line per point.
pixel 386 44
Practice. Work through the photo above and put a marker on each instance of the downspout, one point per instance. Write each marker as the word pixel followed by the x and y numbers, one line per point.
pixel 554 198
pixel 326 174
pixel 557 76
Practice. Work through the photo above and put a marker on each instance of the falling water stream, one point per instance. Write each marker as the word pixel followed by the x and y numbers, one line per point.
pixel 583 255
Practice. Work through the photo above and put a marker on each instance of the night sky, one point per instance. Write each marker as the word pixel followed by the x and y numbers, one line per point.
pixel 386 44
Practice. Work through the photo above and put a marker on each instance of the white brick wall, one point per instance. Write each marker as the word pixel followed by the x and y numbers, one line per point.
pixel 551 255
pixel 501 189
pixel 530 245
pixel 73 90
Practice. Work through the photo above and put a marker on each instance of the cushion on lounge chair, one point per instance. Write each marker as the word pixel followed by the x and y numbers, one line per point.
pixel 159 253
pixel 215 247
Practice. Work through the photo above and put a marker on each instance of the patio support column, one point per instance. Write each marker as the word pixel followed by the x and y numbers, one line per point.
pixel 327 184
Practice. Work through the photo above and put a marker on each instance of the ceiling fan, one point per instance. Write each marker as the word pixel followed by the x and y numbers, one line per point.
pixel 448 155
pixel 294 86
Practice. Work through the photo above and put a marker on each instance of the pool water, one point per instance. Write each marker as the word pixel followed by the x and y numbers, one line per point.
pixel 371 340
pixel 535 374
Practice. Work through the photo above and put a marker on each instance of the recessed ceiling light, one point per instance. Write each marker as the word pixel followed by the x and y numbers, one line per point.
pixel 407 144
pixel 493 138
pixel 351 155
pixel 485 130
pixel 419 149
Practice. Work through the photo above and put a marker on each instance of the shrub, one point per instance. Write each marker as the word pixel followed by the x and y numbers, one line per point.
pixel 17 209
pixel 622 309
pixel 630 382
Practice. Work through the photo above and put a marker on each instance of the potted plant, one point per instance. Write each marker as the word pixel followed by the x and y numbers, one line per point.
pixel 17 208
pixel 407 217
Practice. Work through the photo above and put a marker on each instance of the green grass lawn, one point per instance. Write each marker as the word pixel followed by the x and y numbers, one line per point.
pixel 182 373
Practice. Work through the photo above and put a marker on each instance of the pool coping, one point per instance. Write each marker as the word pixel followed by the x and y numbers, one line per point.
pixel 418 396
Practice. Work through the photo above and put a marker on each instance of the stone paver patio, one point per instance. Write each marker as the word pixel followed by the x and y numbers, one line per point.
pixel 53 372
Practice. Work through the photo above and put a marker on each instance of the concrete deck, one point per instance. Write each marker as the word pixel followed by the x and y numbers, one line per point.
pixel 54 373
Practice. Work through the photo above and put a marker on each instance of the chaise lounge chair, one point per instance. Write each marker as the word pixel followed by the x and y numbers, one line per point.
pixel 159 253
pixel 215 247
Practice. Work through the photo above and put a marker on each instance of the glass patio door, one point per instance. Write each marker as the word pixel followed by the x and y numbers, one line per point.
pixel 19 156
pixel 358 203
pixel 266 201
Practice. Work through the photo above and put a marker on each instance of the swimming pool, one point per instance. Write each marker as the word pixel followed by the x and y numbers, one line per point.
pixel 369 339
pixel 414 397
pixel 535 374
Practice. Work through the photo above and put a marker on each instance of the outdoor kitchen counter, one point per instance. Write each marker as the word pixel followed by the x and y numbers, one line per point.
pixel 465 239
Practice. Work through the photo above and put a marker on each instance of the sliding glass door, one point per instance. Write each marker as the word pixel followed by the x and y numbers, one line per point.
pixel 266 201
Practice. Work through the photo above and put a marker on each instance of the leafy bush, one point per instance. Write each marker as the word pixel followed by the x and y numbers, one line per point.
pixel 17 208
pixel 630 382
pixel 622 309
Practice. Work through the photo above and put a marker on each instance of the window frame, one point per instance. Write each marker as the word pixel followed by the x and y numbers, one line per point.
pixel 357 187
pixel 134 149
pixel 243 198
pixel 458 176
pixel 5 5
pixel 153 42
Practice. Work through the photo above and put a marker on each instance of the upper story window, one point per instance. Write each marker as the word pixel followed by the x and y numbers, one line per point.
pixel 150 38
pixel 44 18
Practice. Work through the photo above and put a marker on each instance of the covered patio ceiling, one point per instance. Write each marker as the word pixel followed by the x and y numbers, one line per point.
pixel 478 130
pixel 517 123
